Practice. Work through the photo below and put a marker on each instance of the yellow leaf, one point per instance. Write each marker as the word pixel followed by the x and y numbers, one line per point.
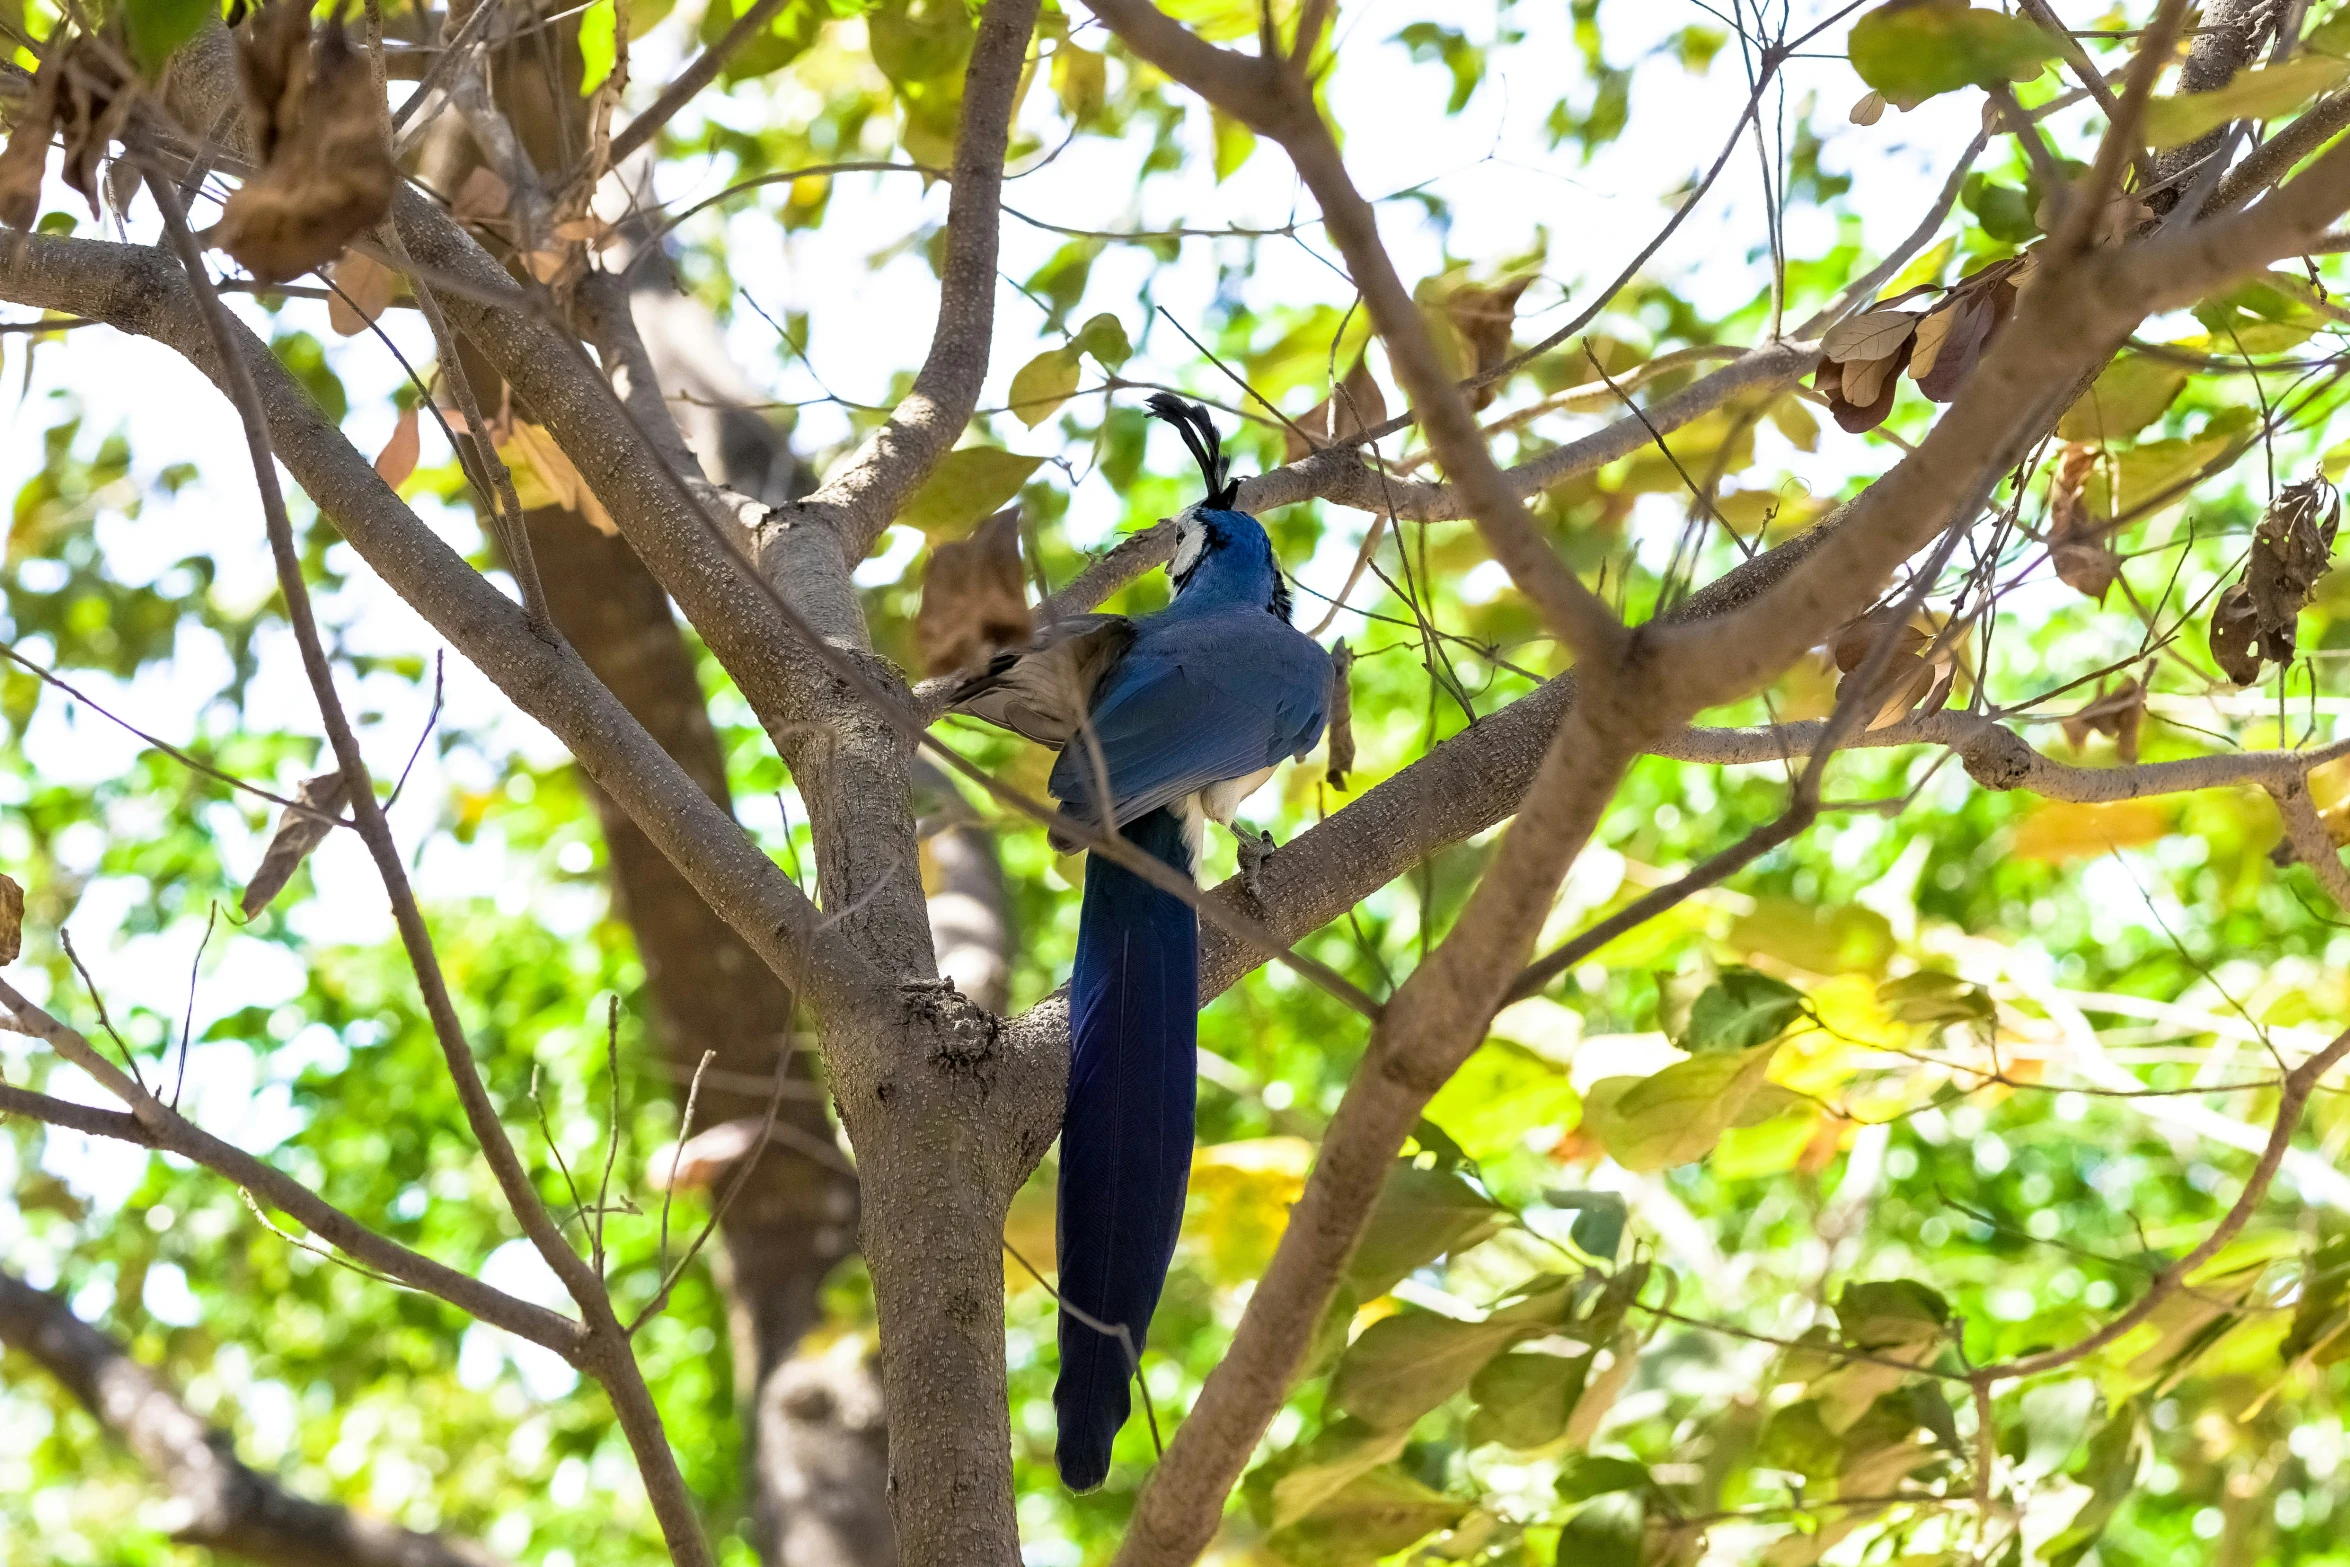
pixel 2262 94
pixel 2059 830
pixel 1240 1197
pixel 1043 385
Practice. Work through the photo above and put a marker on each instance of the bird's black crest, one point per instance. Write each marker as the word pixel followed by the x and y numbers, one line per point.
pixel 1191 421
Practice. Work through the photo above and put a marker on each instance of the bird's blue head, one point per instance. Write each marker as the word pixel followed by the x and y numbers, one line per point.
pixel 1222 555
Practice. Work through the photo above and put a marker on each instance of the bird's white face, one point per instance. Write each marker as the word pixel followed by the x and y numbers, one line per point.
pixel 1191 536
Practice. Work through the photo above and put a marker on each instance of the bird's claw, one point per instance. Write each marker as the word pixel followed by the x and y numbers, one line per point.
pixel 1253 849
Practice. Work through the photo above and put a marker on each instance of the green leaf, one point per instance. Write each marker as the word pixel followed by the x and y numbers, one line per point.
pixel 968 484
pixel 2156 474
pixel 598 44
pixel 2055 1418
pixel 1925 271
pixel 1738 1011
pixel 1373 1515
pixel 1913 50
pixel 1839 939
pixel 1421 1216
pixel 1501 1093
pixel 1524 1399
pixel 2321 1318
pixel 156 27
pixel 1891 1314
pixel 1676 1116
pixel 1234 142
pixel 1043 384
pixel 1405 1365
pixel 784 40
pixel 2127 396
pixel 1605 1532
pixel 1590 1476
pixel 1081 80
pixel 1104 337
pixel 1428 41
pixel 1599 1223
pixel 2111 1473
pixel 1336 1455
pixel 2004 210
pixel 2266 93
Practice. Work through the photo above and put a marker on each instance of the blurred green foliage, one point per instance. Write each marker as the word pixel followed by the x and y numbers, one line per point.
pixel 1943 1082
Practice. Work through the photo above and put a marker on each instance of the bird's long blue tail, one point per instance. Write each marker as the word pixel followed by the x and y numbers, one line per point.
pixel 1126 1133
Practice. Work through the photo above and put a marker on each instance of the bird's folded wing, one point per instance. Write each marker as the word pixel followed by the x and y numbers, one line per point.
pixel 1171 725
pixel 1041 690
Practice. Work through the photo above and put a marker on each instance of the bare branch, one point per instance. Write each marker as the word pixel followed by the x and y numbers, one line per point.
pixel 227 1507
pixel 864 496
pixel 161 1127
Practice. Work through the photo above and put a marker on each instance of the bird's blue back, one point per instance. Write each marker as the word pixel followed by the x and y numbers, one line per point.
pixel 1215 687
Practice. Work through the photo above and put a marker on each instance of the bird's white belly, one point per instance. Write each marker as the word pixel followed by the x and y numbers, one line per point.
pixel 1217 802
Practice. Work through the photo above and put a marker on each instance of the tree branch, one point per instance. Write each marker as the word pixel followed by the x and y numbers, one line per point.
pixel 864 496
pixel 227 1507
pixel 159 1126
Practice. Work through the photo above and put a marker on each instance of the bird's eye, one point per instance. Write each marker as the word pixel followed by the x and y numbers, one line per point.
pixel 1190 537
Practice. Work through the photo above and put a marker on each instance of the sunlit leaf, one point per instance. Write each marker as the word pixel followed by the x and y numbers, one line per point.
pixel 1420 1216
pixel 968 484
pixel 1912 50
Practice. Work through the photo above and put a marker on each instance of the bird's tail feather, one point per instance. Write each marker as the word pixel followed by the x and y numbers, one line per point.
pixel 1126 1134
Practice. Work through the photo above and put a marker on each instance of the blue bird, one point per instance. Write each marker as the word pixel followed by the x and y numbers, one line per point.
pixel 1190 710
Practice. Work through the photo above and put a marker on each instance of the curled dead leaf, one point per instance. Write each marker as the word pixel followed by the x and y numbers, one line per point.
pixel 363 289
pixel 77 95
pixel 1484 317
pixel 1357 405
pixel 2235 634
pixel 1917 676
pixel 482 196
pixel 545 475
pixel 398 458
pixel 297 833
pixel 1844 386
pixel 11 919
pixel 2080 547
pixel 1874 334
pixel 974 600
pixel 2257 620
pixel 2119 713
pixel 1342 715
pixel 326 175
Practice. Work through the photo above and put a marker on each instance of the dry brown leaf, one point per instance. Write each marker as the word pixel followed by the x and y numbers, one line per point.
pixel 1356 406
pixel 363 291
pixel 1880 378
pixel 398 458
pixel 484 195
pixel 2291 549
pixel 325 176
pixel 1484 318
pixel 27 154
pixel 698 1162
pixel 2079 546
pixel 555 473
pixel 1872 335
pixel 2235 635
pixel 11 919
pixel 1910 680
pixel 298 832
pixel 87 105
pixel 1864 379
pixel 1869 110
pixel 974 600
pixel 1933 332
pixel 2118 713
pixel 1342 715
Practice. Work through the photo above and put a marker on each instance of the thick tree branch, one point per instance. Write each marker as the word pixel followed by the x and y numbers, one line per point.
pixel 138 290
pixel 226 1506
pixel 864 496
